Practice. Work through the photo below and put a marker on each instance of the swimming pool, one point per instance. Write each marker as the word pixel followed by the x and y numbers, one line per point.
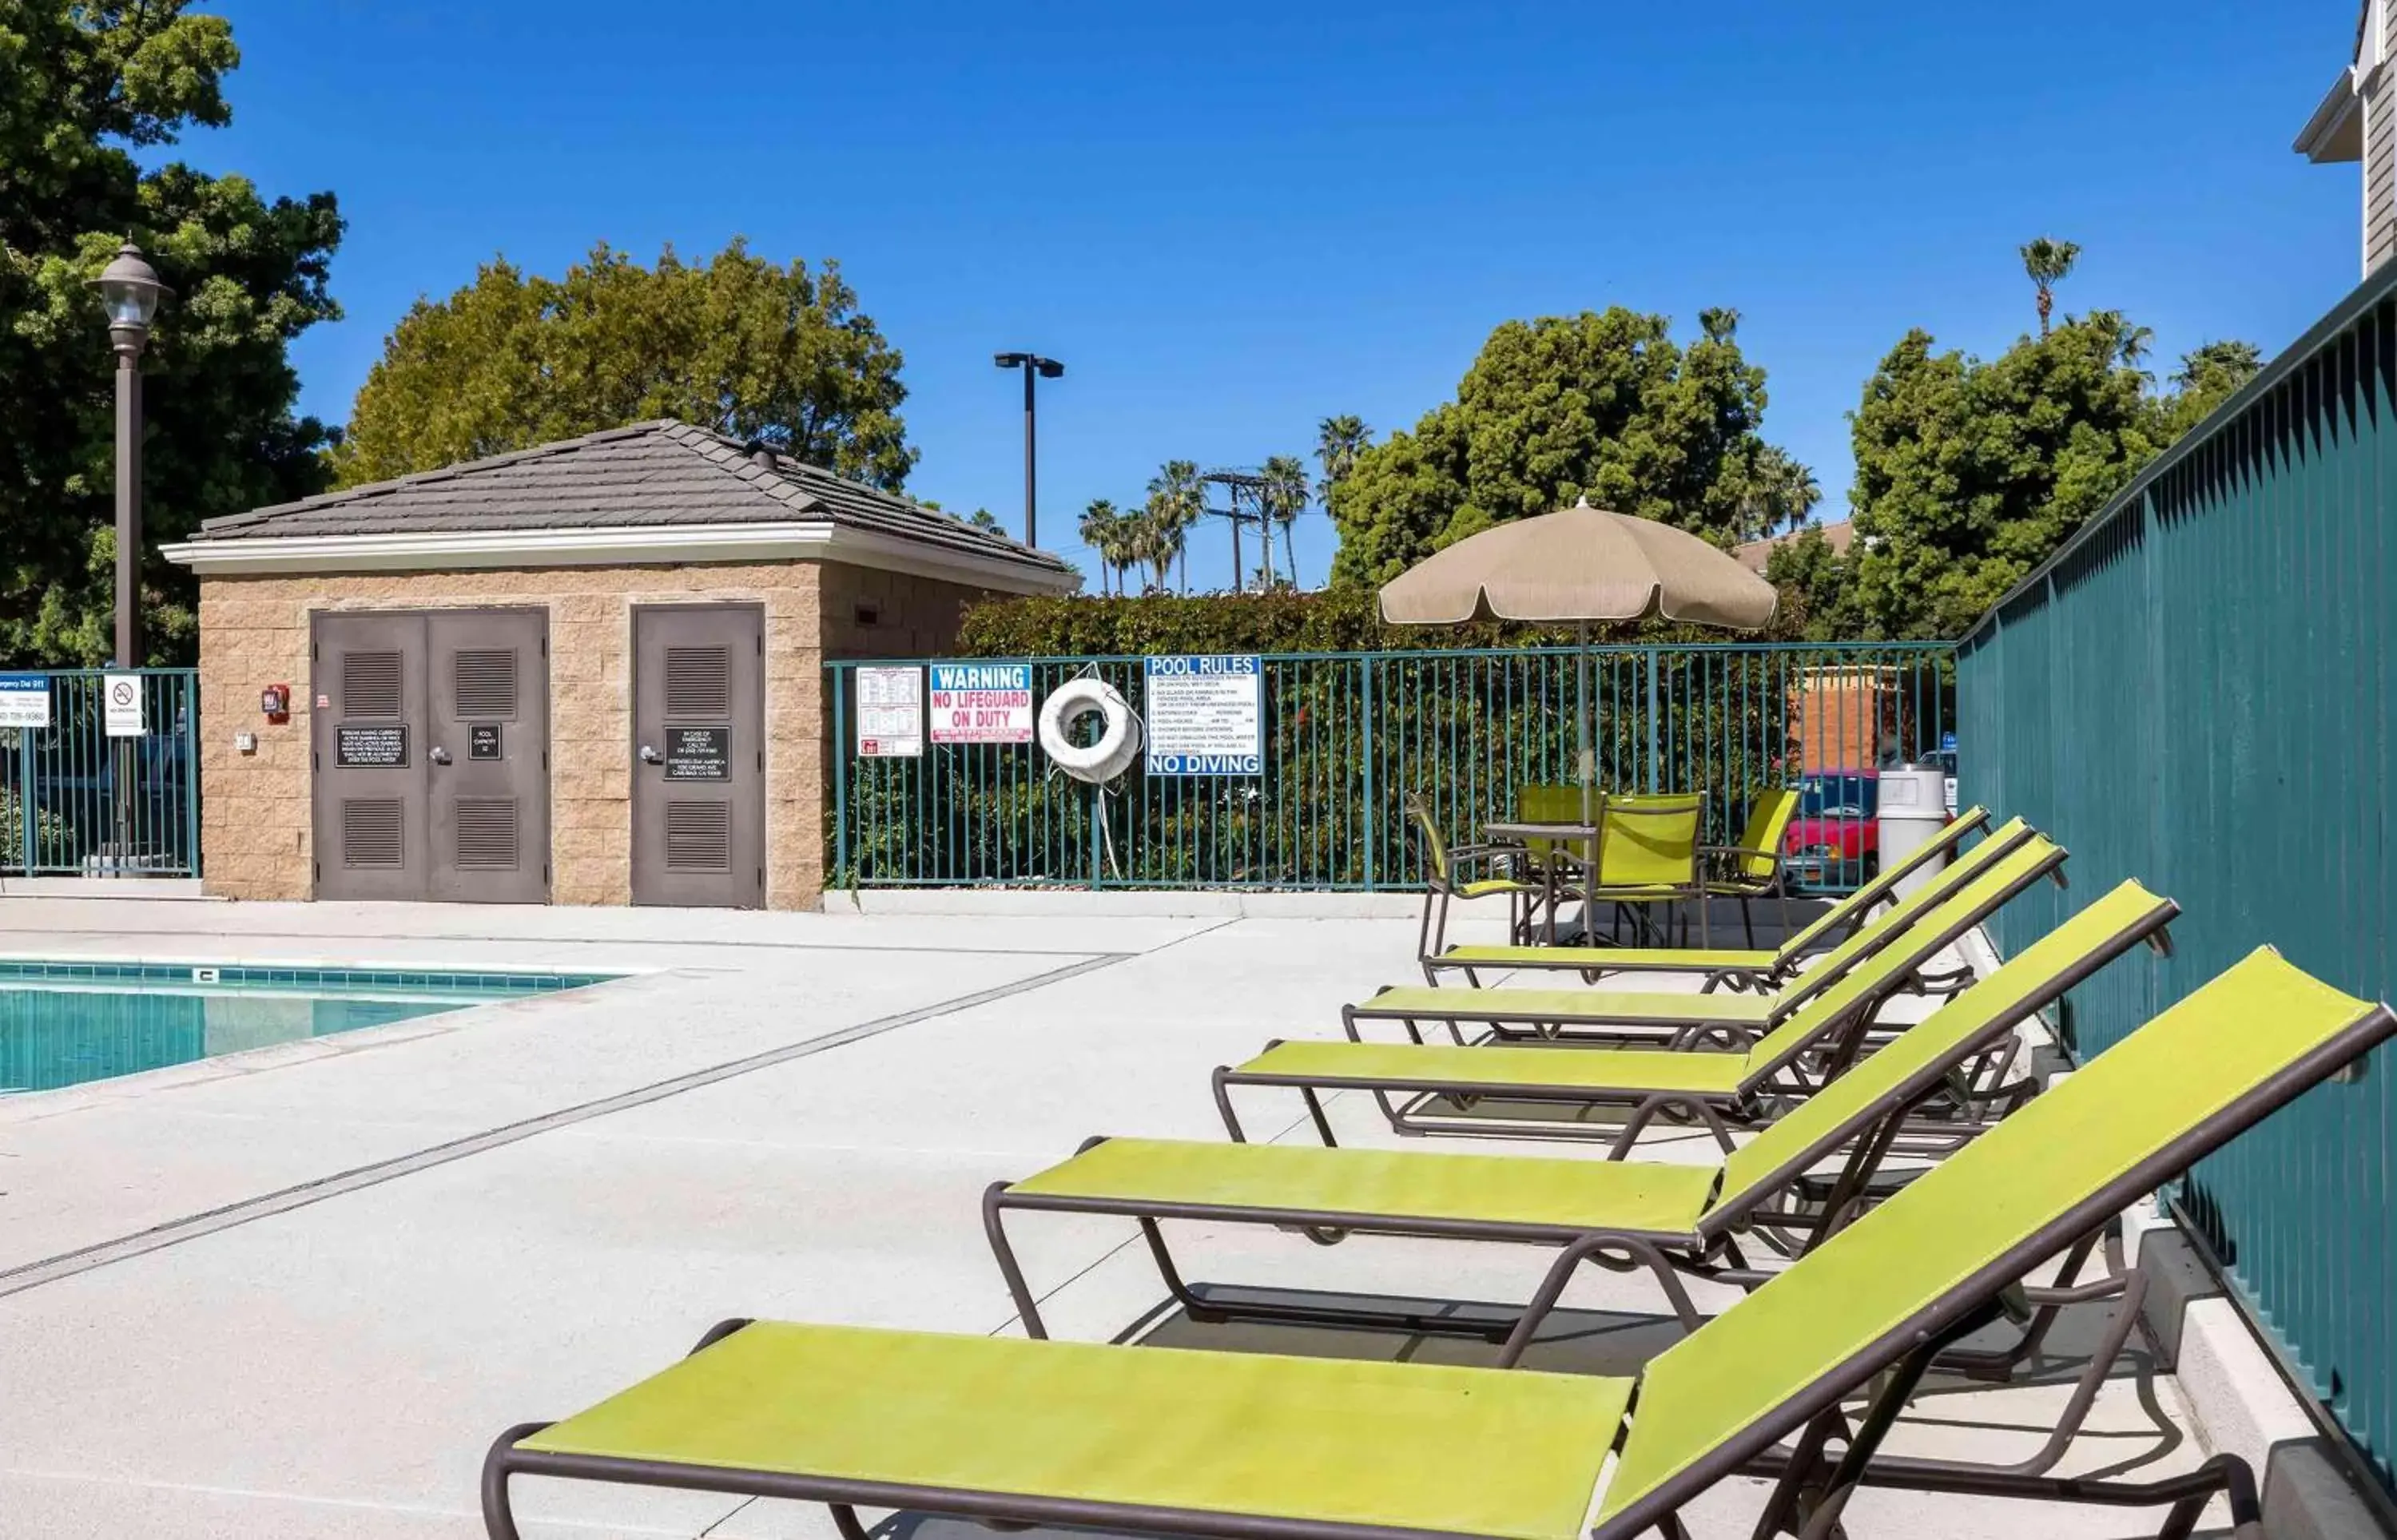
pixel 63 1022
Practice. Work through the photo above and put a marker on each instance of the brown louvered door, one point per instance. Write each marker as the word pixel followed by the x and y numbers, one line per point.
pixel 367 740
pixel 698 750
pixel 486 755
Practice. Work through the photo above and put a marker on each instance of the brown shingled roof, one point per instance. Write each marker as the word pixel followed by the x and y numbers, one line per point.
pixel 1754 554
pixel 663 473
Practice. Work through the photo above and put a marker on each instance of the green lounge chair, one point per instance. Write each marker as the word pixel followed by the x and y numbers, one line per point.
pixel 1723 1073
pixel 1736 968
pixel 1669 1217
pixel 1752 868
pixel 1615 1014
pixel 1230 1446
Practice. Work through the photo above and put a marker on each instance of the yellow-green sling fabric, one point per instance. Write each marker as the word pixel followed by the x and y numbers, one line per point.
pixel 1514 1455
pixel 1904 955
pixel 2128 1103
pixel 1605 1007
pixel 1613 959
pixel 1649 1198
pixel 1400 1066
pixel 1699 959
pixel 1627 1007
pixel 2129 911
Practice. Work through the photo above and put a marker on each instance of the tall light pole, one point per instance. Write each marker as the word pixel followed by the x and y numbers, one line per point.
pixel 1034 367
pixel 129 292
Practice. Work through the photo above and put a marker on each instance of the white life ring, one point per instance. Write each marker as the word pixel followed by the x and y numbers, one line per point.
pixel 1120 738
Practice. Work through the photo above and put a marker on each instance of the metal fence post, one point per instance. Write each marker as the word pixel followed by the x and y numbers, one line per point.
pixel 1370 747
pixel 1655 769
pixel 840 735
pixel 28 810
pixel 188 686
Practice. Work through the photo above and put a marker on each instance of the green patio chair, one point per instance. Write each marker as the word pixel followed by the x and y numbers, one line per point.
pixel 1723 1074
pixel 1751 868
pixel 1558 864
pixel 1734 968
pixel 1648 856
pixel 1444 880
pixel 1676 1217
pixel 1232 1446
pixel 1615 1014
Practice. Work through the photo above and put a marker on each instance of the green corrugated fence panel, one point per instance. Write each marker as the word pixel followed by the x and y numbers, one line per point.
pixel 2197 693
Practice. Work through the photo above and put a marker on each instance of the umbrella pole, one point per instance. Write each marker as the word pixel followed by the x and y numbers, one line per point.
pixel 1588 753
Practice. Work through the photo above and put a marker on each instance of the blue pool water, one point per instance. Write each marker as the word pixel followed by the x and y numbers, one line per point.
pixel 65 1023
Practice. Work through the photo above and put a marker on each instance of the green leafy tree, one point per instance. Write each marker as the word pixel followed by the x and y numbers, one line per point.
pixel 2209 376
pixel 1970 474
pixel 1158 534
pixel 752 349
pixel 83 87
pixel 1605 405
pixel 2047 263
pixel 1816 599
pixel 1779 492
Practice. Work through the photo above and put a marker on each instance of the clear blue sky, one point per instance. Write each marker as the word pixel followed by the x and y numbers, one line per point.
pixel 1233 220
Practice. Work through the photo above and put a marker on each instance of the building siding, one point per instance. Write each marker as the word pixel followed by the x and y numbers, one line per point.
pixel 256 827
pixel 2380 171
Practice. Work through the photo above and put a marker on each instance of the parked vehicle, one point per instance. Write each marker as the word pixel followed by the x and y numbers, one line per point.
pixel 1835 840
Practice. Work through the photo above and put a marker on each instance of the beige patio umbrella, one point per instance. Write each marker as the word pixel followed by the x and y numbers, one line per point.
pixel 1581 564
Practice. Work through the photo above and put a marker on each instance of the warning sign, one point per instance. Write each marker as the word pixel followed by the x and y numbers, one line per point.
pixel 981 703
pixel 1206 716
pixel 890 713
pixel 371 747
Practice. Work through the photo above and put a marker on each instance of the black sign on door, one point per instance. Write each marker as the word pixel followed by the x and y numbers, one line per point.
pixel 699 753
pixel 483 740
pixel 371 747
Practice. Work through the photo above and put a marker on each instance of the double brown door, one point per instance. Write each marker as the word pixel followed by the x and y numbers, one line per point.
pixel 430 748
pixel 699 755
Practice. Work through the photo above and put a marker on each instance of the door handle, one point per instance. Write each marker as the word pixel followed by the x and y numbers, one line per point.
pixel 439 755
pixel 650 756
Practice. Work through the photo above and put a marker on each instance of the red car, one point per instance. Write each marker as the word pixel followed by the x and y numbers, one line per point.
pixel 1834 842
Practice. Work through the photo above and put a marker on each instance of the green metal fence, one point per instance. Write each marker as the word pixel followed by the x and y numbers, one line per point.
pixel 1347 735
pixel 76 801
pixel 2196 692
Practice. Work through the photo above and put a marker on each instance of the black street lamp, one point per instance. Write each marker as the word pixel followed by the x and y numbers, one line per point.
pixel 1034 367
pixel 129 291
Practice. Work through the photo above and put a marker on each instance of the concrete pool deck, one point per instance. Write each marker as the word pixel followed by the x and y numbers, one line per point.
pixel 296 1292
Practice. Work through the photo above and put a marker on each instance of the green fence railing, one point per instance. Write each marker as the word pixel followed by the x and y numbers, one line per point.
pixel 78 800
pixel 2196 692
pixel 1346 736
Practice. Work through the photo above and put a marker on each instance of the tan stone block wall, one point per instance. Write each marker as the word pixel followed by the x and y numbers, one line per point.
pixel 254 631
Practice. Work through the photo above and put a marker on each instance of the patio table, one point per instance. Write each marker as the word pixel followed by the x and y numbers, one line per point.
pixel 1585 835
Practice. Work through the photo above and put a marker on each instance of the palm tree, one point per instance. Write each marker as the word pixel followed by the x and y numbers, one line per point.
pixel 1176 497
pixel 2049 264
pixel 1338 442
pixel 1797 494
pixel 1283 499
pixel 1098 532
pixel 1157 534
pixel 2132 344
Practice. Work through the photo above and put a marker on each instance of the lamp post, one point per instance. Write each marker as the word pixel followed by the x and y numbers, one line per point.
pixel 1034 367
pixel 129 292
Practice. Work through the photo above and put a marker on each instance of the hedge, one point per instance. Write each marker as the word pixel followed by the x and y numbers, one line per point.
pixel 1340 619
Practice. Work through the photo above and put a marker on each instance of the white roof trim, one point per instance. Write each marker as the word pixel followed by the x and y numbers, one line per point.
pixel 2333 134
pixel 813 540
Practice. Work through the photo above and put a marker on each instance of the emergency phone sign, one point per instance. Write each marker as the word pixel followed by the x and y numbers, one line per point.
pixel 981 703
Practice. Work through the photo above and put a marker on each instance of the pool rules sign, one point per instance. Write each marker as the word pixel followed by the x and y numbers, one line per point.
pixel 1206 716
